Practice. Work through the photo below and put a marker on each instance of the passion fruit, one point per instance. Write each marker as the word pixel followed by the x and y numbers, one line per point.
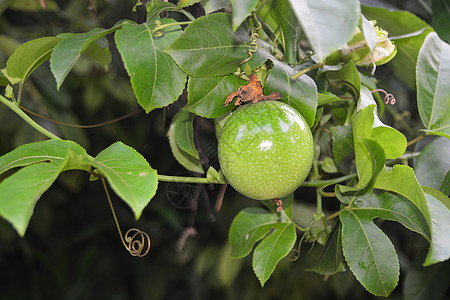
pixel 265 150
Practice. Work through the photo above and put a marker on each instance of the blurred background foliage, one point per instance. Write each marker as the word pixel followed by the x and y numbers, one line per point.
pixel 72 250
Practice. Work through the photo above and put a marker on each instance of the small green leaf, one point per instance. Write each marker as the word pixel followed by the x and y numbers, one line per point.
pixel 70 49
pixel 28 57
pixel 328 165
pixel 349 74
pixel 440 226
pixel 156 79
pixel 290 29
pixel 433 88
pixel 214 5
pixel 209 47
pixel 207 95
pixel 441 15
pixel 369 254
pixel 241 10
pixel 249 226
pixel 189 162
pixel 156 8
pixel 343 151
pixel 322 22
pixel 331 260
pixel 433 165
pixel 326 97
pixel 184 3
pixel 129 174
pixel 184 132
pixel 300 93
pixel 272 249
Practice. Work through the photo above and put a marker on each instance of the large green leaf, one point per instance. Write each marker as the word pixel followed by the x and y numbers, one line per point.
pixel 322 21
pixel 28 57
pixel 206 95
pixel 439 206
pixel 241 10
pixel 44 151
pixel 156 79
pixel 408 32
pixel 432 167
pixel 214 5
pixel 433 86
pixel 300 93
pixel 272 249
pixel 184 132
pixel 369 254
pixel 331 258
pixel 70 49
pixel 209 47
pixel 394 207
pixel 290 29
pixel 129 174
pixel 188 161
pixel 401 179
pixel 441 15
pixel 43 162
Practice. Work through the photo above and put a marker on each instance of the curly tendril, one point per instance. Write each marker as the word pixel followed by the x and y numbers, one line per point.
pixel 253 40
pixel 388 98
pixel 137 242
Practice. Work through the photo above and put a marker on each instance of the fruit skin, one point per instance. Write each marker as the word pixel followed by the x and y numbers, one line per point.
pixel 266 150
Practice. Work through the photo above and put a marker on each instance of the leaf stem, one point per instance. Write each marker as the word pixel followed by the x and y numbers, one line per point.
pixel 15 108
pixel 184 179
pixel 306 70
pixel 325 183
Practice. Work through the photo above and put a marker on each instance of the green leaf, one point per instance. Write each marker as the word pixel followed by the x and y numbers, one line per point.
pixel 157 8
pixel 326 97
pixel 214 5
pixel 249 226
pixel 241 10
pixel 22 190
pixel 272 249
pixel 129 174
pixel 440 223
pixel 331 260
pixel 349 74
pixel 70 49
pixel 432 166
pixel 206 95
pixel 43 162
pixel 433 86
pixel 343 151
pixel 441 15
pixel 394 207
pixel 45 151
pixel 407 32
pixel 156 79
pixel 28 57
pixel 369 254
pixel 322 22
pixel 184 132
pixel 209 47
pixel 300 93
pixel 189 162
pixel 290 29
pixel 184 3
pixel 401 179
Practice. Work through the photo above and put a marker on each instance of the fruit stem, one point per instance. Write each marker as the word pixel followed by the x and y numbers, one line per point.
pixel 15 108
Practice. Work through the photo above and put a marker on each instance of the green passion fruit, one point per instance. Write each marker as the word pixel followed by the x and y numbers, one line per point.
pixel 265 150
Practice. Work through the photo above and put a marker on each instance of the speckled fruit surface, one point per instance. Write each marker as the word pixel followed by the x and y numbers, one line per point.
pixel 265 150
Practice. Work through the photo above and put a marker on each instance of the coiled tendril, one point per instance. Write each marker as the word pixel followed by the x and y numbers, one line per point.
pixel 388 98
pixel 253 39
